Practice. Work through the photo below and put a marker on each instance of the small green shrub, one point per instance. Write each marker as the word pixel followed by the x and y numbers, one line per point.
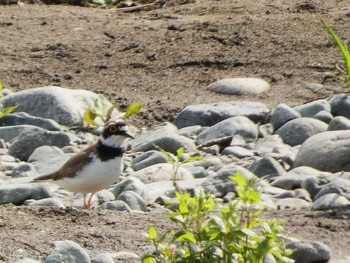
pixel 103 109
pixel 176 161
pixel 210 231
pixel 343 47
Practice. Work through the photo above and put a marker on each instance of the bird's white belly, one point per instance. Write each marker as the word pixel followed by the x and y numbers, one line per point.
pixel 94 177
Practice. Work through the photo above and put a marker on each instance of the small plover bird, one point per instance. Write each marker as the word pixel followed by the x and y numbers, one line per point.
pixel 96 167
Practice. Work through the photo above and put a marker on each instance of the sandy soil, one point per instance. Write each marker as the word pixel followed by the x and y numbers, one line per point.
pixel 165 58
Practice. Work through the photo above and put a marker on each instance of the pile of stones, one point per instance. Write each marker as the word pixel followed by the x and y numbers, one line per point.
pixel 299 153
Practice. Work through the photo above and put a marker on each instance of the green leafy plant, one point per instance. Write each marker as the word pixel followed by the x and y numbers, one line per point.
pixel 103 109
pixel 210 231
pixel 343 47
pixel 176 161
pixel 8 110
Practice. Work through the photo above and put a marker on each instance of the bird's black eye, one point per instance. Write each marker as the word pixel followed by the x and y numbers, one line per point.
pixel 112 129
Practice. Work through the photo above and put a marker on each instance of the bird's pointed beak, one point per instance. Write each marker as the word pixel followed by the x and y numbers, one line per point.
pixel 128 135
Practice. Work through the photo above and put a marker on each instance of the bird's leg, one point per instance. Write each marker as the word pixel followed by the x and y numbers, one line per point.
pixel 89 202
pixel 85 206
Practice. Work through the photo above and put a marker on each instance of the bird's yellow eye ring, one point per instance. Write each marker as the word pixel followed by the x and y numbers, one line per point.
pixel 112 129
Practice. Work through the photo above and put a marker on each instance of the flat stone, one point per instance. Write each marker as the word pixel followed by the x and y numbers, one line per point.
pixel 239 86
pixel 330 201
pixel 312 108
pixel 210 114
pixel 234 126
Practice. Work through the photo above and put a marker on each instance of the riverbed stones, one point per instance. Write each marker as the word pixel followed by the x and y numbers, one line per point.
pixel 298 130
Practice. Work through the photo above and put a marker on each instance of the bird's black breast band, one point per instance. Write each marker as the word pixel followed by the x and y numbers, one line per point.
pixel 106 153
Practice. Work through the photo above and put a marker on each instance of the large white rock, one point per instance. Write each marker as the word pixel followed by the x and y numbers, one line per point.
pixel 161 172
pixel 240 86
pixel 66 106
pixel 327 151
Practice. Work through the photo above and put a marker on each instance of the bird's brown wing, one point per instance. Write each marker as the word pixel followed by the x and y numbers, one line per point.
pixel 71 167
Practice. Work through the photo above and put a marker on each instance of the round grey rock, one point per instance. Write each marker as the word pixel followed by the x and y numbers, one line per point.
pixel 282 114
pixel 266 167
pixel 234 126
pixel 327 151
pixel 339 123
pixel 312 108
pixel 18 193
pixel 130 183
pixel 133 200
pixel 116 205
pixel 324 116
pixel 340 105
pixel 25 143
pixel 65 106
pixel 330 201
pixel 309 251
pixel 67 251
pixel 297 131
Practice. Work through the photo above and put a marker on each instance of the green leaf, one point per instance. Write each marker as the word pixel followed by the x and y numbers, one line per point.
pixel 8 110
pixel 185 236
pixel 148 259
pixel 183 207
pixel 343 47
pixel 192 158
pixel 133 108
pixel 180 152
pixel 1 86
pixel 152 233
pixel 239 179
pixel 89 117
pixel 253 196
